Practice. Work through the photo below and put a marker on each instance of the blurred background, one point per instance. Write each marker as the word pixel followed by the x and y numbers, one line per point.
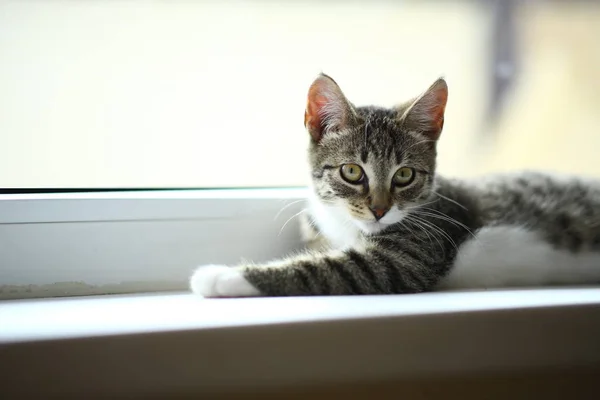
pixel 178 94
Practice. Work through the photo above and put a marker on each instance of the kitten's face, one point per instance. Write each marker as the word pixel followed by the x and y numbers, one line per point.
pixel 373 164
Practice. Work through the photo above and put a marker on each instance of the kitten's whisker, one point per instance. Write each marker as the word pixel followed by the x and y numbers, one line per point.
pixel 289 219
pixel 312 223
pixel 286 207
pixel 421 205
pixel 451 201
pixel 327 201
pixel 445 217
pixel 424 230
pixel 402 224
pixel 436 228
pixel 420 226
pixel 466 229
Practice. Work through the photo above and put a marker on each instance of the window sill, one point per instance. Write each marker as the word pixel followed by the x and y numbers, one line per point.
pixel 166 344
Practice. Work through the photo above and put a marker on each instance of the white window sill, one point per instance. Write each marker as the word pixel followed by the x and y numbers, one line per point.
pixel 161 344
pixel 60 318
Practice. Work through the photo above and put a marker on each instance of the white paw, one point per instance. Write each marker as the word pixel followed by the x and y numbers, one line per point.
pixel 221 281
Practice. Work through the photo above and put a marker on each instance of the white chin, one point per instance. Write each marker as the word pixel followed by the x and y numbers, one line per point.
pixel 372 226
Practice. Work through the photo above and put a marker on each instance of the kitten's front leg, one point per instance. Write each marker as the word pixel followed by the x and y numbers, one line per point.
pixel 370 271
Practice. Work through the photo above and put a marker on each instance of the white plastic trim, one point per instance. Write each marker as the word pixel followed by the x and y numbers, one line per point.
pixel 143 205
pixel 122 242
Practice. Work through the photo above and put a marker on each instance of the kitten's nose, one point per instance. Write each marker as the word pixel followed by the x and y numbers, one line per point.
pixel 379 211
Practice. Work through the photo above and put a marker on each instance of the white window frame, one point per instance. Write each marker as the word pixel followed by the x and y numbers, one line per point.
pixel 65 244
pixel 127 242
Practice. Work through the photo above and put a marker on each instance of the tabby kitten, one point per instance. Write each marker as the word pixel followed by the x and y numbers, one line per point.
pixel 392 226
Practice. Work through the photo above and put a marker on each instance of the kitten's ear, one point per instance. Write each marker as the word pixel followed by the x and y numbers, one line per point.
pixel 326 108
pixel 426 113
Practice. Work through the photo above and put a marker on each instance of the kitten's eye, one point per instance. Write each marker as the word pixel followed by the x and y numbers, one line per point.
pixel 351 173
pixel 404 176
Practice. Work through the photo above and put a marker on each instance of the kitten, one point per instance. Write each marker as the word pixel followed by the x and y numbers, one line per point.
pixel 392 226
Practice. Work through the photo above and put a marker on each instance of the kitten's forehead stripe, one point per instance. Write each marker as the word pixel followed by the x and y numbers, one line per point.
pixel 364 152
pixel 379 134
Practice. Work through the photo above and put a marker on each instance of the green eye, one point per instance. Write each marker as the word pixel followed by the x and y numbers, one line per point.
pixel 404 176
pixel 351 173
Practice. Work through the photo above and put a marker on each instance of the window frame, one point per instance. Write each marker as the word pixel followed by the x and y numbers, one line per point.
pixel 65 244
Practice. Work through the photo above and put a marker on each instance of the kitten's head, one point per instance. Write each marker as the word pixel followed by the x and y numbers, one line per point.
pixel 370 163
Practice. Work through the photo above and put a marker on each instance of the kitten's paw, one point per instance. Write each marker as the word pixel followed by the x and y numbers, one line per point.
pixel 221 281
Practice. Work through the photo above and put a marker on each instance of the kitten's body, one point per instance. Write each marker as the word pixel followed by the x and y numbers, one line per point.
pixel 519 239
pixel 392 226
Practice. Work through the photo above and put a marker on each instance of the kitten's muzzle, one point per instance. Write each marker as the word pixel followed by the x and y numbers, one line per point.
pixel 379 202
pixel 379 211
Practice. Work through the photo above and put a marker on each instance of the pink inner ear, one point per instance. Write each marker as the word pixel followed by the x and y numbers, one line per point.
pixel 438 122
pixel 326 107
pixel 441 98
pixel 313 115
pixel 438 117
pixel 429 110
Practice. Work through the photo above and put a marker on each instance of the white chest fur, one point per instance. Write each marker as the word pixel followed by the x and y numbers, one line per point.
pixel 339 230
pixel 512 256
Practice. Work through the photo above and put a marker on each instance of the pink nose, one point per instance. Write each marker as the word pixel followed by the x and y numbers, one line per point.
pixel 379 212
